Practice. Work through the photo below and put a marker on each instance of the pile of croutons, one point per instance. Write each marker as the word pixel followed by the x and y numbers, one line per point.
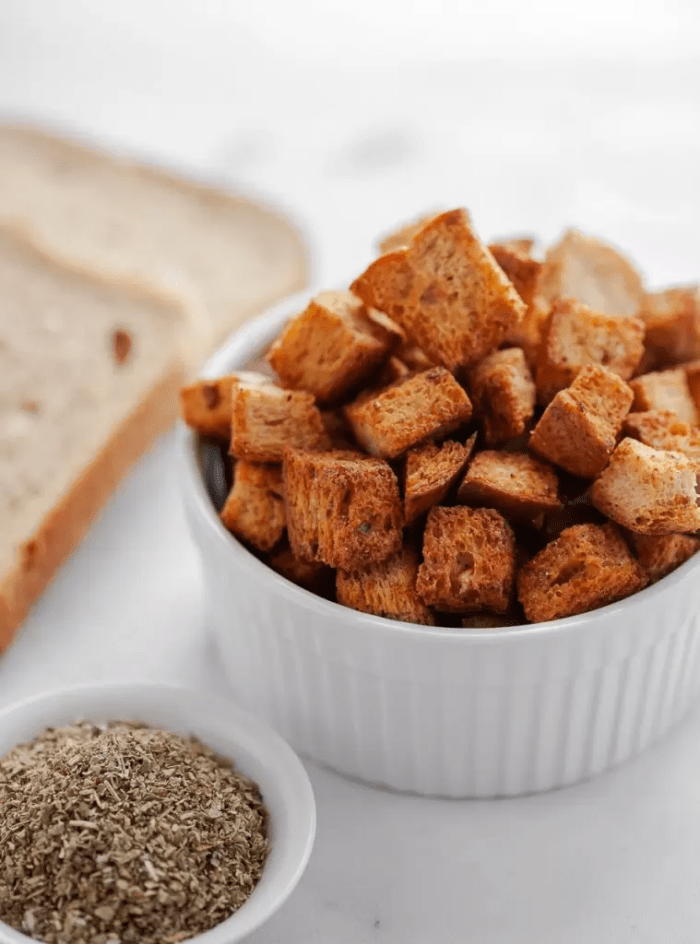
pixel 470 436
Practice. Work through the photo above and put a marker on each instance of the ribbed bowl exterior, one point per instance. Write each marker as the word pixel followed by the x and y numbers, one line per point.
pixel 457 713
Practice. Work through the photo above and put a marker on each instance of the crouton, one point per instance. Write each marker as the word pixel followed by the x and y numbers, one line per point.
pixel 587 566
pixel 338 430
pixel 593 273
pixel 403 236
pixel 503 393
pixel 265 419
pixel 254 509
pixel 387 589
pixel 392 371
pixel 332 347
pixel 468 561
pixel 578 430
pixel 665 390
pixel 648 491
pixel 517 485
pixel 412 356
pixel 575 336
pixel 424 406
pixel 343 509
pixel 317 578
pixel 661 429
pixel 672 320
pixel 446 290
pixel 430 473
pixel 692 377
pixel 522 270
pixel 659 554
pixel 206 404
pixel 527 334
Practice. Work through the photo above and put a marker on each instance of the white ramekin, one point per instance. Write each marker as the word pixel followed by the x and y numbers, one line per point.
pixel 256 750
pixel 459 713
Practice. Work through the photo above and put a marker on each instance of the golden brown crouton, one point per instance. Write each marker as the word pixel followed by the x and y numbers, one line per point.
pixel 648 491
pixel 528 333
pixel 317 578
pixel 665 390
pixel 342 508
pixel 254 509
pixel 672 320
pixel 579 428
pixel 522 270
pixel 265 419
pixel 586 567
pixel 430 472
pixel 575 336
pixel 517 485
pixel 446 290
pixel 593 273
pixel 503 393
pixel 424 406
pixel 661 429
pixel 659 554
pixel 206 404
pixel 387 589
pixel 468 560
pixel 333 346
pixel 402 237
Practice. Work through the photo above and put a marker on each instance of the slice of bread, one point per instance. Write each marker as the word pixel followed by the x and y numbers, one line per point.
pixel 89 375
pixel 224 255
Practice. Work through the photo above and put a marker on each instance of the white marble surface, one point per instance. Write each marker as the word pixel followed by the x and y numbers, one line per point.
pixel 352 117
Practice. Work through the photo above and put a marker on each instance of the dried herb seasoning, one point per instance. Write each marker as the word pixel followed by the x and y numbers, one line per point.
pixel 122 833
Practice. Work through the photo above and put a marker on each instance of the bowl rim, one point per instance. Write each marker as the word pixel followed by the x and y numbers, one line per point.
pixel 247 342
pixel 254 735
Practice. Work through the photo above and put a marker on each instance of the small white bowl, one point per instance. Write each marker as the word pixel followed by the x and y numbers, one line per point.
pixel 451 712
pixel 255 749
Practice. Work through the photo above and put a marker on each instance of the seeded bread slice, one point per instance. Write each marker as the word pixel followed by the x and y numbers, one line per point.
pixel 89 376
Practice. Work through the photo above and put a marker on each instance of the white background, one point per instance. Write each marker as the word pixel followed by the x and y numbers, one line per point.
pixel 352 117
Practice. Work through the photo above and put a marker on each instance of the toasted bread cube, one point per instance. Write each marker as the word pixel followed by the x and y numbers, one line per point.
pixel 468 561
pixel 503 393
pixel 206 404
pixel 649 491
pixel 387 589
pixel 424 406
pixel 515 484
pixel 659 554
pixel 254 509
pixel 661 429
pixel 332 347
pixel 446 290
pixel 317 578
pixel 575 336
pixel 587 566
pixel 593 273
pixel 430 473
pixel 527 335
pixel 665 390
pixel 672 320
pixel 343 509
pixel 412 356
pixel 517 263
pixel 578 430
pixel 402 237
pixel 265 419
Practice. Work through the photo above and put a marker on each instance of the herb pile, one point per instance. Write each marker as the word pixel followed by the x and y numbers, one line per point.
pixel 122 833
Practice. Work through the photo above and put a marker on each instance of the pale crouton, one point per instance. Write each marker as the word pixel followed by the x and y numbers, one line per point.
pixel 665 390
pixel 343 509
pixel 578 430
pixel 254 509
pixel 446 290
pixel 412 356
pixel 468 560
pixel 517 485
pixel 661 429
pixel 648 491
pixel 587 566
pixel 333 346
pixel 264 419
pixel 403 236
pixel 503 393
pixel 672 320
pixel 318 578
pixel 387 589
pixel 206 404
pixel 593 273
pixel 659 554
pixel 424 406
pixel 430 473
pixel 575 336
pixel 522 270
